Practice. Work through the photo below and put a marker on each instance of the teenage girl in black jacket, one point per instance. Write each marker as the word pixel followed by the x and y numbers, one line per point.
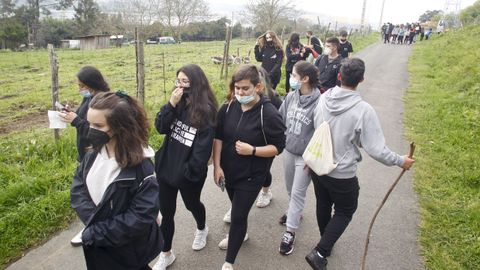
pixel 114 191
pixel 188 121
pixel 250 131
pixel 295 52
pixel 269 51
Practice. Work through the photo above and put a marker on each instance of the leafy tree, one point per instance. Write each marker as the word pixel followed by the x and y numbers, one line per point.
pixel 53 30
pixel 267 14
pixel 471 14
pixel 87 14
pixel 428 15
pixel 177 14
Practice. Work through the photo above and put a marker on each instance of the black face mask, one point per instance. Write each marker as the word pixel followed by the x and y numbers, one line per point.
pixel 186 91
pixel 97 137
pixel 269 43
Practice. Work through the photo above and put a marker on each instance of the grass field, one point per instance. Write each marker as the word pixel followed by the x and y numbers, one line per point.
pixel 36 172
pixel 443 117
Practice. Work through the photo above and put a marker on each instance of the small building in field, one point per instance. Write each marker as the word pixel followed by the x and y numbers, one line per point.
pixel 93 42
pixel 70 44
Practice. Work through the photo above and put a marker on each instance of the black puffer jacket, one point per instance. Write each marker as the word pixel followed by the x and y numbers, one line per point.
pixel 121 232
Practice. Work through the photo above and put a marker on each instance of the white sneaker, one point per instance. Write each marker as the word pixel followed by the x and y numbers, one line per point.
pixel 164 261
pixel 228 216
pixel 264 199
pixel 200 240
pixel 77 239
pixel 227 266
pixel 224 243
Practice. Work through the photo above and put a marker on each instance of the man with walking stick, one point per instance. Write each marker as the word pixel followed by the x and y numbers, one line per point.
pixel 353 123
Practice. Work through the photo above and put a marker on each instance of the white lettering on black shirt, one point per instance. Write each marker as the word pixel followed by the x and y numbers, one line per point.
pixel 183 133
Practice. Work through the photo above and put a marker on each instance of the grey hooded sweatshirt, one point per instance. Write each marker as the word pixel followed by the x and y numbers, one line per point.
pixel 298 113
pixel 353 124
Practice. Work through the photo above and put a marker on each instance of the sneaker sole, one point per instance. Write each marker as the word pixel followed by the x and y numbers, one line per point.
pixel 287 253
pixel 75 244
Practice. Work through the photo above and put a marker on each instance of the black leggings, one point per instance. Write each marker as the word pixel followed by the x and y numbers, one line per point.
pixel 168 206
pixel 275 79
pixel 287 81
pixel 242 202
pixel 342 194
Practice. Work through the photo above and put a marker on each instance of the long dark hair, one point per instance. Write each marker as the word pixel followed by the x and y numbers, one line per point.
pixel 267 84
pixel 244 72
pixel 203 105
pixel 304 68
pixel 91 77
pixel 294 41
pixel 128 121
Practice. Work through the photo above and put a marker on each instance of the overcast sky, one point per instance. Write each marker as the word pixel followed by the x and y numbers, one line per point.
pixel 350 11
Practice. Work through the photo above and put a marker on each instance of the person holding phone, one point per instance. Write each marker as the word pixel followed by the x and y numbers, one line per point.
pixel 90 82
pixel 269 51
pixel 181 164
pixel 249 132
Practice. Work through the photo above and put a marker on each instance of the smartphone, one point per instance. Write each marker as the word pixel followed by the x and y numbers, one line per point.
pixel 221 183
pixel 61 107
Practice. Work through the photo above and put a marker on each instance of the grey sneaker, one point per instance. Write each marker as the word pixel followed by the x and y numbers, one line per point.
pixel 288 243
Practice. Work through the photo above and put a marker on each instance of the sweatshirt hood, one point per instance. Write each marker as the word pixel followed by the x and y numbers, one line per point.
pixel 339 100
pixel 307 100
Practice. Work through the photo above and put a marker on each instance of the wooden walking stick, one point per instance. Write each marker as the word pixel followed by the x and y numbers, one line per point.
pixel 410 155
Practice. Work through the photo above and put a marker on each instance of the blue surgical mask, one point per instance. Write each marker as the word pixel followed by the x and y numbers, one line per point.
pixel 245 99
pixel 294 84
pixel 85 93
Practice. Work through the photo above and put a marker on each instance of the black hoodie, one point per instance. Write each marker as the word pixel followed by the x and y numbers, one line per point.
pixel 182 159
pixel 248 172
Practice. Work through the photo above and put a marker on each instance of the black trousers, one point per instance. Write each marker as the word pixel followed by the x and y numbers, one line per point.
pixel 275 79
pixel 168 207
pixel 268 178
pixel 287 80
pixel 342 194
pixel 242 202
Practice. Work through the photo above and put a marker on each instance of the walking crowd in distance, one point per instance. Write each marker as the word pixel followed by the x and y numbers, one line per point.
pixel 125 192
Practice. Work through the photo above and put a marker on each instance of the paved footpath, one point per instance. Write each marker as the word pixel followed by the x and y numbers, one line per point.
pixel 393 244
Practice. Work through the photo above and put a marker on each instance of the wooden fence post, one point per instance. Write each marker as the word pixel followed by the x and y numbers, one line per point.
pixel 54 70
pixel 140 69
pixel 228 50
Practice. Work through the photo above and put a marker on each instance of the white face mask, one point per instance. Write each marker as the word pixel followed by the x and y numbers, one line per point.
pixel 245 99
pixel 327 51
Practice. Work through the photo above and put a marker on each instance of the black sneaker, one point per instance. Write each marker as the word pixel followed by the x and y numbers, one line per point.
pixel 316 261
pixel 283 220
pixel 288 243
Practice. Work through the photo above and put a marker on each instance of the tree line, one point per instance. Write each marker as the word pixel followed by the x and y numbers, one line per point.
pixel 31 23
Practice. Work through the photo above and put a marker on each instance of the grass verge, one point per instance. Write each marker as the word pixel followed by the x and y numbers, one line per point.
pixel 443 118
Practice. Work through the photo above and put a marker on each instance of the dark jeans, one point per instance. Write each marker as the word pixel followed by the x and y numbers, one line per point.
pixel 242 202
pixel 342 194
pixel 168 207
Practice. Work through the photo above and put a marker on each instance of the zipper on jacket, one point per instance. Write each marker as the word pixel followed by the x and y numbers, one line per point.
pixel 239 121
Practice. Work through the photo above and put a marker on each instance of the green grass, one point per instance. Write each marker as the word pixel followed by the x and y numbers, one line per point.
pixel 35 171
pixel 443 118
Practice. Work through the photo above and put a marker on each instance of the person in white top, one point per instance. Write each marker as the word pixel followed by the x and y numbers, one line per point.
pixel 115 192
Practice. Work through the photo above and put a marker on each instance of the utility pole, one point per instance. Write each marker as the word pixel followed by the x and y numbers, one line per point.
pixel 452 6
pixel 362 22
pixel 381 15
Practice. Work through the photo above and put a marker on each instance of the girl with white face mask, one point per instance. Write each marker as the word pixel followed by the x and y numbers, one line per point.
pixel 297 111
pixel 249 132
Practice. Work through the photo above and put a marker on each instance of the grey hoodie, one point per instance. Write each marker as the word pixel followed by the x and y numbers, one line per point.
pixel 298 113
pixel 353 124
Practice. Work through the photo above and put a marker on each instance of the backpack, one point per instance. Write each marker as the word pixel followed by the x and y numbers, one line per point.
pixel 319 152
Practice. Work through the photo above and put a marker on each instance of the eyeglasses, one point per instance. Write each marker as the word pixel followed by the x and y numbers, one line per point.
pixel 182 83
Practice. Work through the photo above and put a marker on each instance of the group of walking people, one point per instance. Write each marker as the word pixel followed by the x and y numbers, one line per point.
pixel 404 33
pixel 118 191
